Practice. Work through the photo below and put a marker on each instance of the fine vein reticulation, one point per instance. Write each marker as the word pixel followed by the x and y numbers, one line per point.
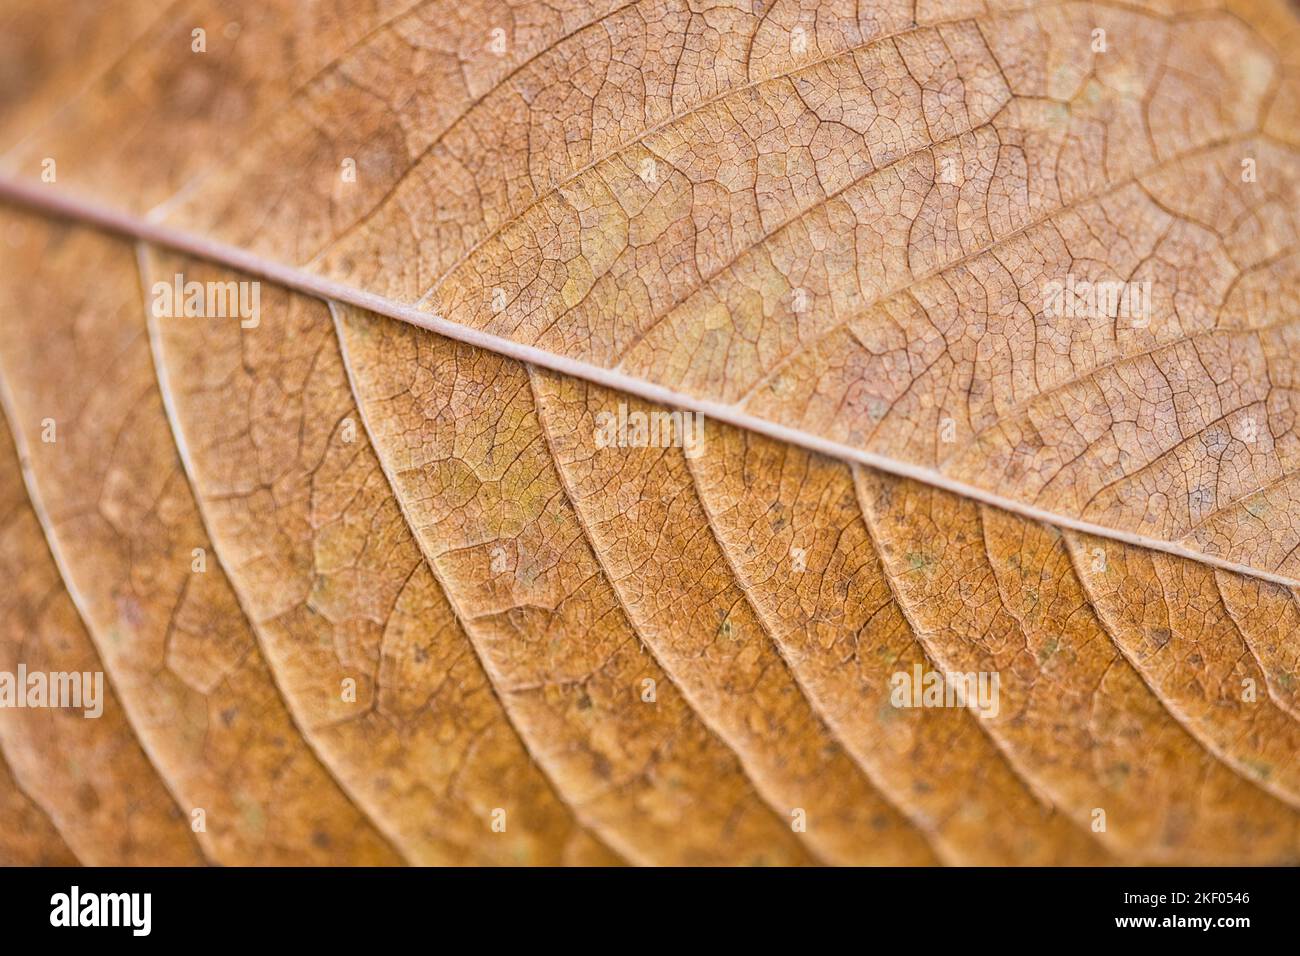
pixel 370 591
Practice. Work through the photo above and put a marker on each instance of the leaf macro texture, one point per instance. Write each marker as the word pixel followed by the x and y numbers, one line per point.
pixel 586 432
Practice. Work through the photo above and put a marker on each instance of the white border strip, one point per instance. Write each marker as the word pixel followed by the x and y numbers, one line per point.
pixel 48 198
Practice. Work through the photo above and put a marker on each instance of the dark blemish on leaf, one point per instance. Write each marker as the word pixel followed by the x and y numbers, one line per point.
pixel 87 798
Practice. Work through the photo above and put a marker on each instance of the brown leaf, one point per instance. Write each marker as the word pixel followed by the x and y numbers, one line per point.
pixel 373 593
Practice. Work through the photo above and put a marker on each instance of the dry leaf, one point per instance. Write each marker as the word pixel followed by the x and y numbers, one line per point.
pixel 985 549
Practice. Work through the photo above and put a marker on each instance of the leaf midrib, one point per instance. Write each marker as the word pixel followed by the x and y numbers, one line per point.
pixel 85 211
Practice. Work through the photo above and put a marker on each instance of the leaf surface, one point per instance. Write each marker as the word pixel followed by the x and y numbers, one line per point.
pixel 441 621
